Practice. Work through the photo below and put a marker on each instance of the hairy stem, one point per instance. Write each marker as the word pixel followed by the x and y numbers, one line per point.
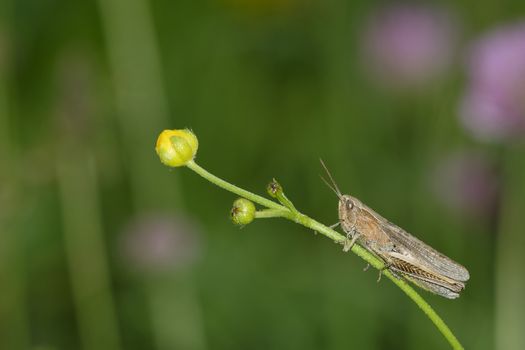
pixel 277 210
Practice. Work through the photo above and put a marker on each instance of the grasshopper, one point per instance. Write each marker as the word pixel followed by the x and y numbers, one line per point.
pixel 403 254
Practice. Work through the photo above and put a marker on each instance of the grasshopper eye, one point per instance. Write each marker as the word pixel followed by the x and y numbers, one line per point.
pixel 349 205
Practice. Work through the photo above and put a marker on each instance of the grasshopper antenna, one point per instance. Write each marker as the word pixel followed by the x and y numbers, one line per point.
pixel 333 185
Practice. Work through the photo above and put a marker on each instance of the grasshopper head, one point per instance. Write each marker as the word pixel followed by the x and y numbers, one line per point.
pixel 348 211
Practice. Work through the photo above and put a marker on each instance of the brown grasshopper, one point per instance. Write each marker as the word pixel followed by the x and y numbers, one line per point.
pixel 403 254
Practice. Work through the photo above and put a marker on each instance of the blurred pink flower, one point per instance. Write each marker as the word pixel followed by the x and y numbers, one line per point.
pixel 408 46
pixel 467 183
pixel 159 243
pixel 494 106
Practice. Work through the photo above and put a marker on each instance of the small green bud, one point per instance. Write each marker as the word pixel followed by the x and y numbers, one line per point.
pixel 176 147
pixel 274 189
pixel 243 212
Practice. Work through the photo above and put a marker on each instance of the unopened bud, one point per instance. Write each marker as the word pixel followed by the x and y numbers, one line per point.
pixel 243 212
pixel 274 189
pixel 176 147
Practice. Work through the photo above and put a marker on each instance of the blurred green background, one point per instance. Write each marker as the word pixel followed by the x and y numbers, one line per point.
pixel 103 247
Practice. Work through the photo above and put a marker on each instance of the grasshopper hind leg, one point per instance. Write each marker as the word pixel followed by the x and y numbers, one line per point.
pixel 434 288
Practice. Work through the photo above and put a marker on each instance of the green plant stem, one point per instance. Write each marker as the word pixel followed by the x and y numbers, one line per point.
pixel 286 202
pixel 277 210
pixel 232 188
pixel 281 197
pixel 271 213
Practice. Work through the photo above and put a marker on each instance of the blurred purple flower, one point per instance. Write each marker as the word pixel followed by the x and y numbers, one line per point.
pixel 467 183
pixel 159 243
pixel 408 46
pixel 494 105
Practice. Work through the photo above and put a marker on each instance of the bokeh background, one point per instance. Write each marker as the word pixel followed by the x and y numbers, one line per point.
pixel 417 108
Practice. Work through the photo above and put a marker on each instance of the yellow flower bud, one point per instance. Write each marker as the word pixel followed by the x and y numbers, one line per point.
pixel 176 147
pixel 243 212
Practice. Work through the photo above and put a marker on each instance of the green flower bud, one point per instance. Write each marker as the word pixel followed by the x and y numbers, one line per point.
pixel 274 189
pixel 176 147
pixel 243 212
